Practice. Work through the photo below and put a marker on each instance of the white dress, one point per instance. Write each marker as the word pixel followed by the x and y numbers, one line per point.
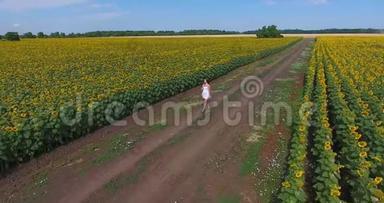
pixel 205 93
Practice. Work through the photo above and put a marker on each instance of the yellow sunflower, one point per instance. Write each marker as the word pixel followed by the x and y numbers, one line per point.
pixel 362 144
pixel 286 184
pixel 363 154
pixel 378 180
pixel 299 174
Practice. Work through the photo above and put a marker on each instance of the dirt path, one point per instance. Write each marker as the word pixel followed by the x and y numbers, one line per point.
pixel 162 163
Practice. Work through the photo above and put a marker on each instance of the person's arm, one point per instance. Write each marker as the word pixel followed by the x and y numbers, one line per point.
pixel 210 92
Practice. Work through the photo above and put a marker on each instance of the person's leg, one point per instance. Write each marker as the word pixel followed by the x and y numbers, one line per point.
pixel 205 105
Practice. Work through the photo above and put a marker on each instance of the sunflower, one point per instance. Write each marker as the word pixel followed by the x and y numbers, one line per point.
pixel 366 164
pixel 379 194
pixel 357 135
pixel 378 180
pixel 353 128
pixel 55 114
pixel 363 154
pixel 362 144
pixel 359 173
pixel 325 124
pixel 299 174
pixel 8 129
pixel 286 184
pixel 335 191
pixel 327 146
pixel 377 159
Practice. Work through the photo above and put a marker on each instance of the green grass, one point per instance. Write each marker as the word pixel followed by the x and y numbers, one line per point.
pixel 158 126
pixel 297 66
pixel 266 62
pixel 252 158
pixel 117 146
pixel 268 186
pixel 281 91
pixel 41 180
pixel 122 143
pixel 268 181
pixel 123 180
pixel 221 87
pixel 229 199
pixel 36 189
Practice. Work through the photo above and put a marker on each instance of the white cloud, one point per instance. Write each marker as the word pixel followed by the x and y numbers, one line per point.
pixel 97 5
pixel 270 2
pixel 318 2
pixel 106 15
pixel 21 5
pixel 275 2
pixel 16 25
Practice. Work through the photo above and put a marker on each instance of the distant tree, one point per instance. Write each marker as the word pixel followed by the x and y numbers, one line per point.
pixel 41 35
pixel 55 35
pixel 152 33
pixel 269 32
pixel 331 31
pixel 28 35
pixel 73 35
pixel 62 35
pixel 206 32
pixel 1 37
pixel 165 32
pixel 12 36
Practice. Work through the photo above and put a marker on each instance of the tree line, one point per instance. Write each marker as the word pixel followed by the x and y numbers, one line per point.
pixel 266 31
pixel 116 34
pixel 325 31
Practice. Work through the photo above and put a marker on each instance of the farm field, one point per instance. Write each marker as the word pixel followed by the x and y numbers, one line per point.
pixel 331 87
pixel 116 161
pixel 340 133
pixel 203 101
pixel 43 81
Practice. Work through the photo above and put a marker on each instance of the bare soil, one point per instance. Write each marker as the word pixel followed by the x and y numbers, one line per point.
pixel 161 163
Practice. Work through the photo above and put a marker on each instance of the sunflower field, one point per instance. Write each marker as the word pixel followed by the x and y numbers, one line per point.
pixel 337 148
pixel 43 81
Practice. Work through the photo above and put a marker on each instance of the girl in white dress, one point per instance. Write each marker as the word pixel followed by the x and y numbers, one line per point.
pixel 206 94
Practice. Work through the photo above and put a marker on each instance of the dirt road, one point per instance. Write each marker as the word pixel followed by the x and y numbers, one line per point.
pixel 160 163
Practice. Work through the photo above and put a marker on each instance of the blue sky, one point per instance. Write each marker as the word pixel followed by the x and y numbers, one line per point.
pixel 240 15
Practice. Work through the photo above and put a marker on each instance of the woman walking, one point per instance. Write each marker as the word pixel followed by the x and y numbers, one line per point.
pixel 206 94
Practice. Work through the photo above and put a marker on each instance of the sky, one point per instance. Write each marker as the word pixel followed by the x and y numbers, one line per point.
pixel 236 15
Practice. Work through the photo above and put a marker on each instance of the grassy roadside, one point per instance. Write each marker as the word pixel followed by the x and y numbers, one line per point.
pixel 268 175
